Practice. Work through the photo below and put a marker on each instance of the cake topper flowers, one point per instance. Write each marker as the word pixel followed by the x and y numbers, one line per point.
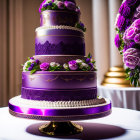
pixel 127 38
pixel 59 5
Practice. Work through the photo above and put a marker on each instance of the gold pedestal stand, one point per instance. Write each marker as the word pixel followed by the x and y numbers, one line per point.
pixel 61 129
pixel 116 78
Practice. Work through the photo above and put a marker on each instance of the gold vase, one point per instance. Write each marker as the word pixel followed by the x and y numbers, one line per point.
pixel 116 78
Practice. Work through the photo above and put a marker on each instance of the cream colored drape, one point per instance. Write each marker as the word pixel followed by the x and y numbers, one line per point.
pixel 106 54
pixel 11 48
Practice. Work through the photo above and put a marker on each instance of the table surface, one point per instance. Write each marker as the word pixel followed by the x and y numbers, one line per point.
pixel 122 124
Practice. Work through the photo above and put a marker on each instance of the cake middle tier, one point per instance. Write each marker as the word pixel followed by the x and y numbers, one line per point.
pixel 59 40
pixel 59 86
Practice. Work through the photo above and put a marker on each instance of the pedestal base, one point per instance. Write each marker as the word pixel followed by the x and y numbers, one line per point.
pixel 61 129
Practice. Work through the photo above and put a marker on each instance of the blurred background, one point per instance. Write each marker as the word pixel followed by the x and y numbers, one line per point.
pixel 20 18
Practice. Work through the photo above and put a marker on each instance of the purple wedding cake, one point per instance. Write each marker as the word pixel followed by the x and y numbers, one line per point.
pixel 59 75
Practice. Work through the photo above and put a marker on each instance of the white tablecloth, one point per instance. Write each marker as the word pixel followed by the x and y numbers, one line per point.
pixel 122 97
pixel 122 124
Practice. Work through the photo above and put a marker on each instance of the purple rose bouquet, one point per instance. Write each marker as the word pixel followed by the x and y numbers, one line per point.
pixel 127 38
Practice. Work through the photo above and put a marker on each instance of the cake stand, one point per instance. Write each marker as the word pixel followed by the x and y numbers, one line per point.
pixel 60 117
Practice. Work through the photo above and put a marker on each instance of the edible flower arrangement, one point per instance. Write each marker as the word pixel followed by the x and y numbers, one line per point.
pixel 59 5
pixel 33 65
pixel 127 38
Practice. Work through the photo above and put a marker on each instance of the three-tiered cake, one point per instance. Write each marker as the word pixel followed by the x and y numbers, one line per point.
pixel 59 76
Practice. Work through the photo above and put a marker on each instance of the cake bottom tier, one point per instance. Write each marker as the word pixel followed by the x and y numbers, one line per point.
pixel 59 86
pixel 58 111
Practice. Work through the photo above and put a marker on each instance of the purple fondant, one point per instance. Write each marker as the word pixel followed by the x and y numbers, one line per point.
pixel 55 86
pixel 59 95
pixel 59 42
pixel 59 80
pixel 60 112
pixel 61 48
pixel 60 17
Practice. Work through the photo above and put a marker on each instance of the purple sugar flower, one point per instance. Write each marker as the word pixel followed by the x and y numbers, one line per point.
pixel 82 25
pixel 50 4
pixel 137 38
pixel 44 66
pixel 91 66
pixel 32 65
pixel 131 58
pixel 46 5
pixel 30 68
pixel 37 61
pixel 61 5
pixel 87 60
pixel 120 22
pixel 31 58
pixel 70 5
pixel 117 41
pixel 73 65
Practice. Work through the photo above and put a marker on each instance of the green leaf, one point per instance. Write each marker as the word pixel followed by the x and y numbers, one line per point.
pixel 33 71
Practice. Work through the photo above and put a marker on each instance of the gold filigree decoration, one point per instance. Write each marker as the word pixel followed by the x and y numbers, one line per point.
pixel 51 80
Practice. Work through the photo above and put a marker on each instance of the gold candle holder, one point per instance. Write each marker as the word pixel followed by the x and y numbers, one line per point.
pixel 116 78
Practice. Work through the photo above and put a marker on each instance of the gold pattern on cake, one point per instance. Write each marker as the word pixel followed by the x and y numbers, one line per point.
pixel 66 79
pixel 32 77
pixel 51 80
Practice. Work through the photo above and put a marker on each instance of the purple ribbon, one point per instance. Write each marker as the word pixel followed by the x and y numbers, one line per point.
pixel 60 112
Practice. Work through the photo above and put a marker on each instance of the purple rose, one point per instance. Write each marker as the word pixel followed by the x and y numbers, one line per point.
pixel 137 38
pixel 131 32
pixel 131 2
pixel 120 22
pixel 70 5
pixel 124 10
pixel 73 65
pixel 117 41
pixel 130 45
pixel 44 66
pixel 131 58
pixel 61 5
pixel 136 23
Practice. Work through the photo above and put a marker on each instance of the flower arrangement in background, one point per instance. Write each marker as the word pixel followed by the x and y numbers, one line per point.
pixel 127 38
pixel 33 65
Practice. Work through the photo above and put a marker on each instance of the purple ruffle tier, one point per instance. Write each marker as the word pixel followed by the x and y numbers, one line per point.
pixel 59 17
pixel 59 86
pixel 59 42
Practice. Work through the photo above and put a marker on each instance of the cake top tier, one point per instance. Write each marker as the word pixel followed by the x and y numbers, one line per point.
pixel 59 5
